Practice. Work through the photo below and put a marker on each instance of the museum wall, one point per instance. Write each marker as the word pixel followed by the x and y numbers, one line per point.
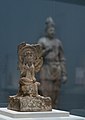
pixel 23 20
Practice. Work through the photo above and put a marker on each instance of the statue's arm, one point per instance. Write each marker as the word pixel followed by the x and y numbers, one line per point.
pixel 62 62
pixel 45 49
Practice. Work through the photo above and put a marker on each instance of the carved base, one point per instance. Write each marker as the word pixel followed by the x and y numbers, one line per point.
pixel 29 104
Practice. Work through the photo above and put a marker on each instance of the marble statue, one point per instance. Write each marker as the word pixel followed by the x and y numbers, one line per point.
pixel 53 71
pixel 29 63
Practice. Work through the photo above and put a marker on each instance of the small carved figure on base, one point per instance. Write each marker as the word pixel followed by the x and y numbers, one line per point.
pixel 27 99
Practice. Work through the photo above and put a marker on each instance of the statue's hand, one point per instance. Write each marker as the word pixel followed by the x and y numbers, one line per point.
pixel 64 79
pixel 48 49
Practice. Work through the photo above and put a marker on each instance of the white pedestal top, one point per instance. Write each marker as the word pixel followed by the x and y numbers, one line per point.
pixel 15 114
pixel 6 114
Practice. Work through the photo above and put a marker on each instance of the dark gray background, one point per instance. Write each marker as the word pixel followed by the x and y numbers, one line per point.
pixel 23 20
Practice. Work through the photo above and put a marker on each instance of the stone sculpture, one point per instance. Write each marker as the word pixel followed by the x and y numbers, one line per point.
pixel 53 71
pixel 27 99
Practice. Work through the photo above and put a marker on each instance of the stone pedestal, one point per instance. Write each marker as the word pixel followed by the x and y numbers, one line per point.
pixel 29 104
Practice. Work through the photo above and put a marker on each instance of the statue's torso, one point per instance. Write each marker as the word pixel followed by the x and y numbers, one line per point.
pixel 54 45
pixel 51 68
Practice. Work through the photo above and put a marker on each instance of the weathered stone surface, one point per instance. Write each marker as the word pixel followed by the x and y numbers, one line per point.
pixel 53 72
pixel 30 104
pixel 27 98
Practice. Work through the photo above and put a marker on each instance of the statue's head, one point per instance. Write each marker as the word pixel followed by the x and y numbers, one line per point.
pixel 29 57
pixel 30 54
pixel 50 27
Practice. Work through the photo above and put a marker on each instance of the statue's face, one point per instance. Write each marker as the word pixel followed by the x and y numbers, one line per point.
pixel 51 32
pixel 29 57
